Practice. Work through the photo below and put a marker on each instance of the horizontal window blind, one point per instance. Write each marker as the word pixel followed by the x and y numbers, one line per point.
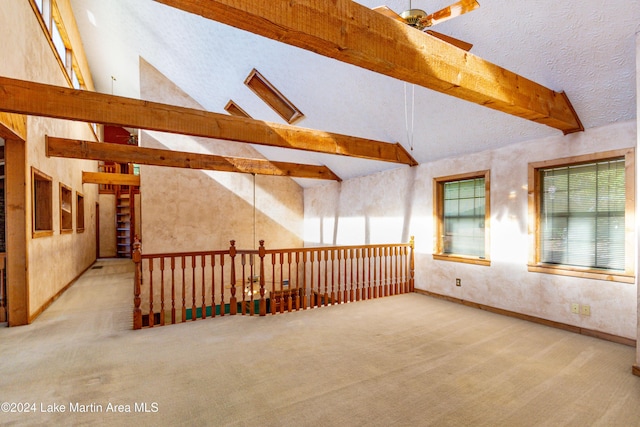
pixel 582 215
pixel 464 216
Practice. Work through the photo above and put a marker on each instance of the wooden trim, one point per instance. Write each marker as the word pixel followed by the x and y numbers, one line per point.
pixel 70 148
pixel 51 300
pixel 110 178
pixel 352 33
pixel 40 232
pixel 235 110
pixel 63 211
pixel 534 186
pixel 635 370
pixel 558 325
pixel 463 259
pixel 438 214
pixel 272 97
pixel 17 265
pixel 79 210
pixel 24 97
pixel 582 272
pixel 97 231
pixel 13 126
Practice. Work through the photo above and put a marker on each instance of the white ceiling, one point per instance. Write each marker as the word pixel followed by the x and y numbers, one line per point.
pixel 583 47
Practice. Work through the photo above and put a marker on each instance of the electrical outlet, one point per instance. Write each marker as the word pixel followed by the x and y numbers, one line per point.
pixel 585 310
pixel 458 282
pixel 575 308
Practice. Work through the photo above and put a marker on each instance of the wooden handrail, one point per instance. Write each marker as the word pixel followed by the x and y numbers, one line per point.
pixel 296 279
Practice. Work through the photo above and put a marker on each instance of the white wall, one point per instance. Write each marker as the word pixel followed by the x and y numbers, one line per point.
pixel 195 210
pixel 393 205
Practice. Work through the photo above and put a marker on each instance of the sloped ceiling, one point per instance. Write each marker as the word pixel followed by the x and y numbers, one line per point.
pixel 585 48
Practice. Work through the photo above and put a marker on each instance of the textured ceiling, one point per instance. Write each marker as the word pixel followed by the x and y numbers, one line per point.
pixel 585 48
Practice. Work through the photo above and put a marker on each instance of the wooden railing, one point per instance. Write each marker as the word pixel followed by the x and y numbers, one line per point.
pixel 180 287
pixel 3 287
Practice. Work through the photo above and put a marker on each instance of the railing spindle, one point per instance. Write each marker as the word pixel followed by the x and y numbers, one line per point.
pixel 161 291
pixel 184 290
pixel 193 289
pixel 151 319
pixel 137 259
pixel 222 304
pixel 173 290
pixel 263 303
pixel 203 262
pixel 213 285
pixel 233 303
pixel 304 281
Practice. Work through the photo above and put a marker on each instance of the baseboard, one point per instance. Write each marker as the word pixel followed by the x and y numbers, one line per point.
pixel 566 327
pixel 50 301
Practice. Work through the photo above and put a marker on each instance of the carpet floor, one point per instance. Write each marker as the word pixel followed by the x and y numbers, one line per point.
pixel 406 360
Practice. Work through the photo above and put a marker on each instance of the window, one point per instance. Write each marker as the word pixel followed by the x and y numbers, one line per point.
pixel 79 212
pixel 272 97
pixel 462 212
pixel 42 203
pixel 583 207
pixel 235 110
pixel 66 209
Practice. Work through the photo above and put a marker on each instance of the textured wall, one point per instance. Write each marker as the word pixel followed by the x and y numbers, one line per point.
pixel 53 261
pixel 186 210
pixel 393 205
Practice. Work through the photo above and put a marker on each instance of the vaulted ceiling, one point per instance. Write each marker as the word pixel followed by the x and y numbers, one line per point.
pixel 586 49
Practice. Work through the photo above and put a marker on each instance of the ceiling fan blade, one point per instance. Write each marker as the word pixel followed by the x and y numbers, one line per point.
pixel 452 11
pixel 386 11
pixel 451 40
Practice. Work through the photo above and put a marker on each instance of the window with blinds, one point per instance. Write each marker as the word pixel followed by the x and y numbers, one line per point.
pixel 461 210
pixel 582 215
pixel 464 217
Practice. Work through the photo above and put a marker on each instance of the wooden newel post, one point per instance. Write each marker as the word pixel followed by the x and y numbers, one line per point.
pixel 233 302
pixel 412 265
pixel 137 259
pixel 263 302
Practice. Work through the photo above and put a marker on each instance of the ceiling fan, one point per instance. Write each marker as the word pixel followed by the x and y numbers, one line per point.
pixel 422 20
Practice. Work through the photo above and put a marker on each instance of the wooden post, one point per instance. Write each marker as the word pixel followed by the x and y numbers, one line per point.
pixel 233 302
pixel 412 265
pixel 263 302
pixel 137 259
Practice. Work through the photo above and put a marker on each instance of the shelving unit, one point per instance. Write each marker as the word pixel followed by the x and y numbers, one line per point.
pixel 124 209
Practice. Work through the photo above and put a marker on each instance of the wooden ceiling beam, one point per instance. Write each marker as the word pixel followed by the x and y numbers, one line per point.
pixel 37 99
pixel 349 32
pixel 75 149
pixel 110 178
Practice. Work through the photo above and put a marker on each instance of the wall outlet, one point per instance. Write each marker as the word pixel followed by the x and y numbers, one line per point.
pixel 585 310
pixel 575 308
pixel 458 282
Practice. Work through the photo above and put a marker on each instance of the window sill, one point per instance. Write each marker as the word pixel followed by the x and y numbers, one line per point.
pixel 42 233
pixel 463 259
pixel 611 276
pixel 66 231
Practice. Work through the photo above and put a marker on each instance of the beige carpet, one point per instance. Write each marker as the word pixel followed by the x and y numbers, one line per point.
pixel 407 360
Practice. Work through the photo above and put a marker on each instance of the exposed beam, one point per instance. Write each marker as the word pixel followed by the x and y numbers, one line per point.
pixel 37 99
pixel 71 148
pixel 349 32
pixel 110 178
